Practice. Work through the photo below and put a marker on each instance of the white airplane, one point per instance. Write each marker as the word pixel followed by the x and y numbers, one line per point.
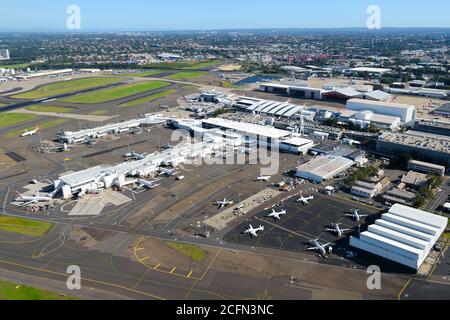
pixel 167 172
pixel 134 155
pixel 317 246
pixel 305 200
pixel 355 215
pixel 252 231
pixel 263 178
pixel 29 133
pixel 277 215
pixel 337 229
pixel 179 178
pixel 31 199
pixel 148 184
pixel 224 203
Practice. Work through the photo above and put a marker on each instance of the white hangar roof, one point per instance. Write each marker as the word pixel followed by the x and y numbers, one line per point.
pixel 404 235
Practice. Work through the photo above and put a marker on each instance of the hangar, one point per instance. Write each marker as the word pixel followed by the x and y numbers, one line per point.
pixel 323 168
pixel 404 235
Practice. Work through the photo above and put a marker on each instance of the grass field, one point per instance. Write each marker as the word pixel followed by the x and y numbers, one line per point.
pixel 58 88
pixel 142 74
pixel 151 98
pixel 192 251
pixel 186 75
pixel 117 92
pixel 27 227
pixel 42 126
pixel 2 104
pixel 44 108
pixel 10 119
pixel 203 65
pixel 16 66
pixel 12 291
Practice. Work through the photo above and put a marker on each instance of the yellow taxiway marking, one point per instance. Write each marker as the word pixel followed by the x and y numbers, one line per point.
pixel 173 270
pixel 85 279
pixel 138 249
pixel 157 266
pixel 143 259
pixel 190 274
pixel 399 296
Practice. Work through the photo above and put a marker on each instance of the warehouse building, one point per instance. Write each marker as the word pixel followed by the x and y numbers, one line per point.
pixel 404 235
pixel 362 120
pixel 434 127
pixel 270 108
pixel 443 110
pixel 293 90
pixel 424 146
pixel 427 168
pixel 406 113
pixel 323 168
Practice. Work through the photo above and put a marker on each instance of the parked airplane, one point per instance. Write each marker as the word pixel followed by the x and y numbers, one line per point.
pixel 355 215
pixel 305 200
pixel 277 215
pixel 135 156
pixel 252 231
pixel 317 246
pixel 224 203
pixel 30 133
pixel 263 178
pixel 337 229
pixel 31 199
pixel 167 172
pixel 148 184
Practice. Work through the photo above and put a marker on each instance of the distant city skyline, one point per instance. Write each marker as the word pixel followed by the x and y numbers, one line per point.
pixel 158 15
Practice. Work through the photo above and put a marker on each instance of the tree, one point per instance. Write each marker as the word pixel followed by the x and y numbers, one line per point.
pixel 435 182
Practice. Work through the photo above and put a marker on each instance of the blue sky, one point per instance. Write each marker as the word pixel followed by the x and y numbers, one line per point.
pixel 120 15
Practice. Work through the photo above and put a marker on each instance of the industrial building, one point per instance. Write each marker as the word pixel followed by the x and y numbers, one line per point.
pixel 434 127
pixel 400 197
pixel 271 108
pixel 443 110
pixel 367 70
pixel 323 168
pixel 420 145
pixel 293 89
pixel 404 235
pixel 427 168
pixel 406 113
pixel 362 120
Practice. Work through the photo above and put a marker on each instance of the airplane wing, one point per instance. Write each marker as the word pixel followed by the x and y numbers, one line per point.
pixel 328 229
pixel 311 249
pixel 28 203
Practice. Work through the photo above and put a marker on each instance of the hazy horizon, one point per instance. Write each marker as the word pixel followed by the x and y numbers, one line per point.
pixel 198 15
